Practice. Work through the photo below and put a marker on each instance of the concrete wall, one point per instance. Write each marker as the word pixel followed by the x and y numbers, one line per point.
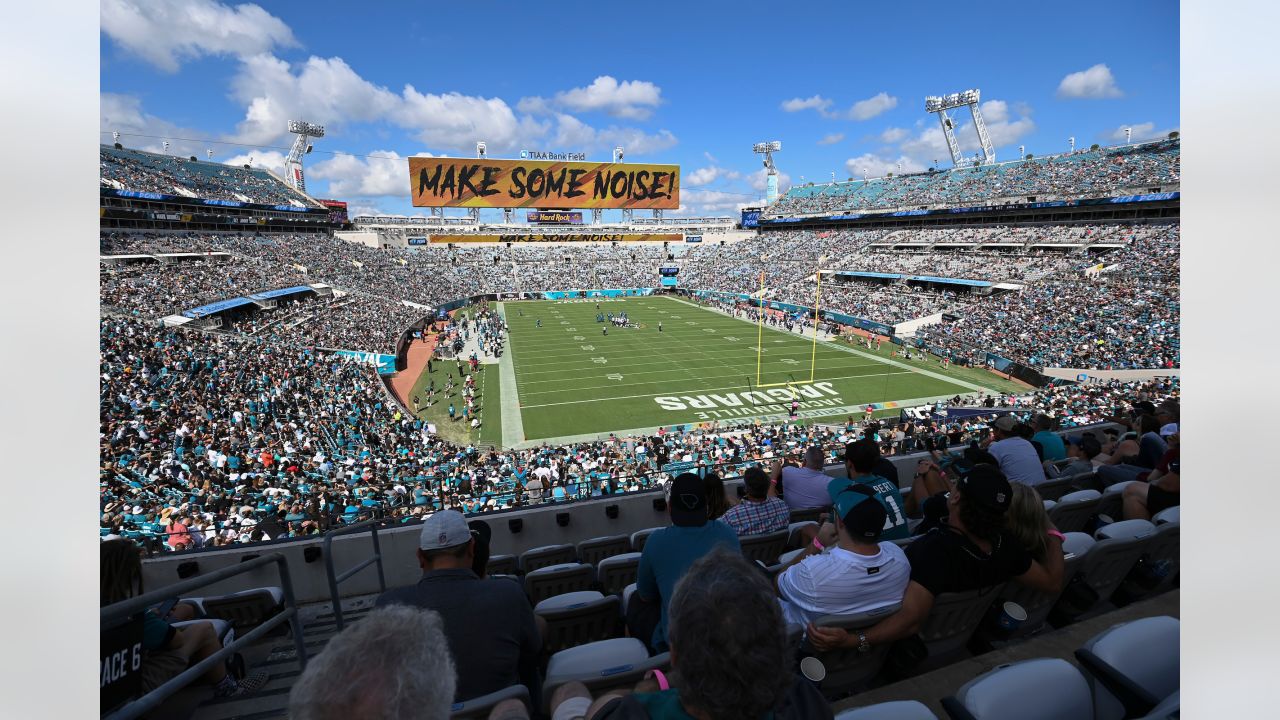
pixel 909 327
pixel 1124 375
pixel 359 237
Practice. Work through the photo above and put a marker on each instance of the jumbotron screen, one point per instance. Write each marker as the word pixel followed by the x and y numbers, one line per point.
pixel 481 183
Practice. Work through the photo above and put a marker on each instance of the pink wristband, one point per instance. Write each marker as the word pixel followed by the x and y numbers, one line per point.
pixel 1060 536
pixel 818 545
pixel 662 680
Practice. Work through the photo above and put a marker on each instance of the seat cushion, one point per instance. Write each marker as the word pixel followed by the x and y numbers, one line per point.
pixel 566 600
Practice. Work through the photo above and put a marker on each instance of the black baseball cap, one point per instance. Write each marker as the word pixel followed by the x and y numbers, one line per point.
pixel 986 487
pixel 688 501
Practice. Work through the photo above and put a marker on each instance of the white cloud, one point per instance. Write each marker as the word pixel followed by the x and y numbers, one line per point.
pixel 831 139
pixel 166 32
pixel 759 181
pixel 139 130
pixel 354 209
pixel 631 99
pixel 572 133
pixel 1096 82
pixel 708 175
pixel 272 160
pixel 873 106
pixel 1141 132
pixel 712 202
pixel 893 134
pixel 325 91
pixel 385 173
pixel 817 102
pixel 931 144
pixel 877 166
pixel 455 122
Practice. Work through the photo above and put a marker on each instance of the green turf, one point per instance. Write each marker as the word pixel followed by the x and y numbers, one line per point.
pixel 574 380
pixel 488 397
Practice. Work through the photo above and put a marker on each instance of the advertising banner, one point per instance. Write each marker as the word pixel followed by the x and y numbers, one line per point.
pixel 558 217
pixel 385 364
pixel 337 211
pixel 750 218
pixel 632 237
pixel 482 182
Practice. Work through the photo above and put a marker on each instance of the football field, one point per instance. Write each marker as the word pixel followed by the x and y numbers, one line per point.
pixel 572 381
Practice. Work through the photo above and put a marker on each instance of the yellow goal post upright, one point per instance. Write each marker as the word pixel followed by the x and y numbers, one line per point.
pixel 817 306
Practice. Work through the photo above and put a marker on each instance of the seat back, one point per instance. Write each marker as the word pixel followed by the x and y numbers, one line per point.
pixel 1073 510
pixel 581 623
pixel 1139 660
pixel 1167 515
pixel 1109 561
pixel 602 665
pixel 1165 553
pixel 615 573
pixel 796 529
pixel 558 580
pixel 501 565
pixel 1039 603
pixel 245 610
pixel 1056 488
pixel 765 548
pixel 1042 688
pixel 953 620
pixel 848 669
pixel 594 550
pixel 807 514
pixel 481 707
pixel 893 710
pixel 640 537
pixel 545 556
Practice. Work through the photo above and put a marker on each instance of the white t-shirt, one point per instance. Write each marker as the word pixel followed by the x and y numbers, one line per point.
pixel 1018 461
pixel 840 582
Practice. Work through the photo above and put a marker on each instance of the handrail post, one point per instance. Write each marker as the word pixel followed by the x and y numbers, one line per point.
pixel 331 572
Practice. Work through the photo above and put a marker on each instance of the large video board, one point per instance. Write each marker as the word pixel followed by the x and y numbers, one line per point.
pixel 482 182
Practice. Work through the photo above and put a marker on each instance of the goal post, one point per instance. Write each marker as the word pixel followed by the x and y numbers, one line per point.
pixel 813 354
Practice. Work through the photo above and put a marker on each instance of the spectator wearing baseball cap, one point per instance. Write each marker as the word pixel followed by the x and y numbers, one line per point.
pixel 668 554
pixel 1018 458
pixel 973 550
pixel 489 623
pixel 1081 450
pixel 846 569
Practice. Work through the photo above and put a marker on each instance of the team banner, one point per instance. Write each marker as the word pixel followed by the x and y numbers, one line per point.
pixel 637 237
pixel 459 182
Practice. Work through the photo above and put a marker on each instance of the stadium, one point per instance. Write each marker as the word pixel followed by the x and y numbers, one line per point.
pixel 304 409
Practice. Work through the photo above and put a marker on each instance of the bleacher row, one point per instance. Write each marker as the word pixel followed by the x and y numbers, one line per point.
pixel 581 591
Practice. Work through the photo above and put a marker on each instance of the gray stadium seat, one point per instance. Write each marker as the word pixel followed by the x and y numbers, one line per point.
pixel 501 565
pixel 1167 515
pixel 640 537
pixel 1038 689
pixel 626 597
pixel 578 619
pixel 615 573
pixel 1131 667
pixel 245 610
pixel 1048 505
pixel 793 541
pixel 1037 603
pixel 1165 549
pixel 481 707
pixel 557 580
pixel 594 550
pixel 541 557
pixel 602 665
pixel 1111 558
pixel 952 622
pixel 1168 709
pixel 808 514
pixel 788 556
pixel 766 547
pixel 224 630
pixel 1056 488
pixel 1073 510
pixel 1111 503
pixel 848 669
pixel 895 710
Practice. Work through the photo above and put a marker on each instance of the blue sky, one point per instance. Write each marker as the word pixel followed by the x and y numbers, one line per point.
pixel 842 85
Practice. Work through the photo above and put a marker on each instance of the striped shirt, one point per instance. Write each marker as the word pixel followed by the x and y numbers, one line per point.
pixel 840 582
pixel 754 518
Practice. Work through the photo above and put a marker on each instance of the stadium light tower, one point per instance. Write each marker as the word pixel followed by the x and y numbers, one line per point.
pixel 115 136
pixel 209 153
pixel 940 104
pixel 166 147
pixel 767 149
pixel 301 146
pixel 1022 152
pixel 1128 135
pixel 1071 141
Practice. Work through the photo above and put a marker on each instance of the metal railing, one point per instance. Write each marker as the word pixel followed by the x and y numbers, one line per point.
pixel 116 613
pixel 331 573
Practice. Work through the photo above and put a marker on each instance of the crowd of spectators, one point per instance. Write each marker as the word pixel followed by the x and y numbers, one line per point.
pixel 871 300
pixel 150 172
pixel 159 289
pixel 1078 174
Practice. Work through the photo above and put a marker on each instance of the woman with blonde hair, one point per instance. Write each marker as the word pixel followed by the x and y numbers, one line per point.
pixel 1030 524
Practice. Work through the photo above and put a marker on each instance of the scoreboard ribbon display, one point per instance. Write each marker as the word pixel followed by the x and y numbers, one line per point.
pixel 636 237
pixel 480 183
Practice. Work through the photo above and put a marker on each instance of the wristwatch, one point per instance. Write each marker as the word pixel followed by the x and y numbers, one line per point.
pixel 863 645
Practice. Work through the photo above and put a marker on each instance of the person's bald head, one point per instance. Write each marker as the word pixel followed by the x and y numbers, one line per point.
pixel 813 458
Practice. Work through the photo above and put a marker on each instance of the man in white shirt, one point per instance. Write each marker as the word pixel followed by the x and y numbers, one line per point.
pixel 1018 459
pixel 845 570
pixel 805 487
